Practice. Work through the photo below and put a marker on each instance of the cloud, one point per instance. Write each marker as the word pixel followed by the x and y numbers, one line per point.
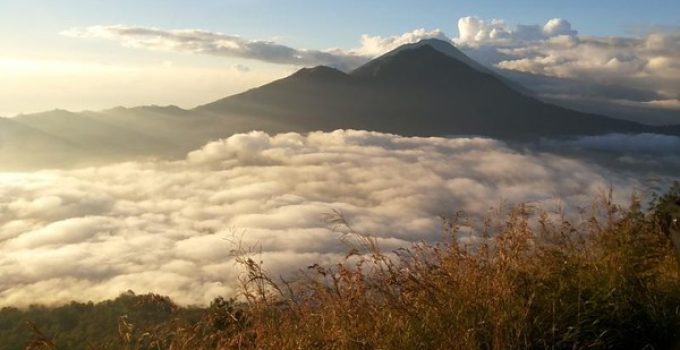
pixel 651 156
pixel 372 46
pixel 558 26
pixel 561 65
pixel 599 59
pixel 217 44
pixel 89 234
pixel 475 31
pixel 651 153
pixel 241 68
pixel 641 143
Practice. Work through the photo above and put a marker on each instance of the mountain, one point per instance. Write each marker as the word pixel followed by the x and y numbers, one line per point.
pixel 451 51
pixel 428 88
pixel 24 147
pixel 415 90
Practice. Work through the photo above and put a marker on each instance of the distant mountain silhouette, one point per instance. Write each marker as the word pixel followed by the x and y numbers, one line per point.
pixel 427 89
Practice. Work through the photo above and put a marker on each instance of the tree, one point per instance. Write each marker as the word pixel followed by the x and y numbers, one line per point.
pixel 667 214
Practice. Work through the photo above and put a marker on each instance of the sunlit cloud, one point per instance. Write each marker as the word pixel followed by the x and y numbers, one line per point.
pixel 372 46
pixel 647 62
pixel 476 31
pixel 218 44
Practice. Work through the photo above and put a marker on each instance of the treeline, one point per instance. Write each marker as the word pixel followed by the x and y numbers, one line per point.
pixel 530 280
pixel 86 325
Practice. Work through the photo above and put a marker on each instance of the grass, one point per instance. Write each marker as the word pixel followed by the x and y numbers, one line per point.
pixel 532 280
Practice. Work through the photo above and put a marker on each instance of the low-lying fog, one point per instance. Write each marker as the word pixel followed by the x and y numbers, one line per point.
pixel 92 233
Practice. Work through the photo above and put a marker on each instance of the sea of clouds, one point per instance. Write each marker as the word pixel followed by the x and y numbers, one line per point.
pixel 166 227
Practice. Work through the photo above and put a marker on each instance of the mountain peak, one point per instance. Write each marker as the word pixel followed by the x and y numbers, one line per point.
pixel 449 49
pixel 319 72
pixel 413 61
pixel 443 46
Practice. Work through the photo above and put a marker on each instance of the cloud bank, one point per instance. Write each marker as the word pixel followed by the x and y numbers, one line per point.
pixel 92 233
pixel 643 71
pixel 650 153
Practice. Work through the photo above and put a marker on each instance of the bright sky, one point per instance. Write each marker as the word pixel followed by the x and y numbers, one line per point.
pixel 42 69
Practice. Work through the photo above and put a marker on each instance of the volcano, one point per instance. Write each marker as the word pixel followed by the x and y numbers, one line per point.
pixel 424 89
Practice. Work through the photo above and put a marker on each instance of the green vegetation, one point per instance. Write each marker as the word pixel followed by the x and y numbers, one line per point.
pixel 84 325
pixel 532 280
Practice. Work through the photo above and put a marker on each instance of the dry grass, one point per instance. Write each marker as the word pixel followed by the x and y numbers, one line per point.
pixel 532 280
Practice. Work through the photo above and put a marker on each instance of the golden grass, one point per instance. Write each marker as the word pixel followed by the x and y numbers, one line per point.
pixel 532 281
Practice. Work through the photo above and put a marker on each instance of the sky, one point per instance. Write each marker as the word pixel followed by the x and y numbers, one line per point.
pixel 49 57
